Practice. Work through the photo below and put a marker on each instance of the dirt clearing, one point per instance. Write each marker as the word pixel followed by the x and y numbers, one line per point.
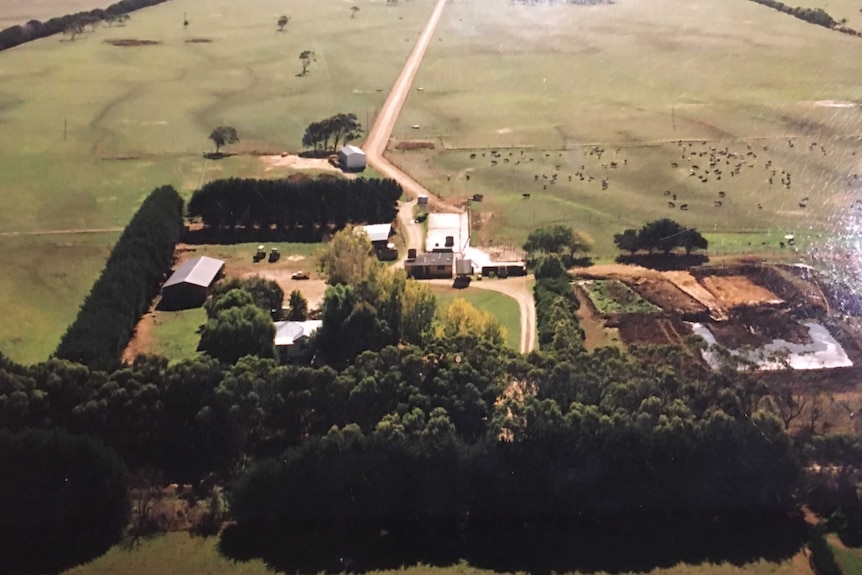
pixel 642 329
pixel 297 163
pixel 735 291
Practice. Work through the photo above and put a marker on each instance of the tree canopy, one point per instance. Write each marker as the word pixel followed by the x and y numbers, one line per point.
pixel 663 235
pixel 340 128
pixel 223 135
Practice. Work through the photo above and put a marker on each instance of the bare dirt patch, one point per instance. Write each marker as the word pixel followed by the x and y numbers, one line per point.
pixel 312 289
pixel 689 284
pixel 668 297
pixel 739 291
pixel 142 339
pixel 650 329
pixel 758 327
pixel 414 145
pixel 199 41
pixel 131 42
pixel 297 163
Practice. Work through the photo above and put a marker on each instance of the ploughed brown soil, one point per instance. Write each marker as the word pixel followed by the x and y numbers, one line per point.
pixel 738 290
pixel 414 145
pixel 652 329
pixel 667 296
pixel 126 42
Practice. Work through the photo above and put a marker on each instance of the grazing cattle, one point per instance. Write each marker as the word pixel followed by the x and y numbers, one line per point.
pixel 536 178
pixel 493 162
pixel 468 177
pixel 671 205
pixel 717 203
pixel 570 178
pixel 525 196
pixel 759 206
pixel 683 206
pixel 674 196
pixel 721 194
pixel 472 156
pixel 667 192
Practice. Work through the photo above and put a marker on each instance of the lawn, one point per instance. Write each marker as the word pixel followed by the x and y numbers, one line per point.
pixel 849 559
pixel 634 78
pixel 501 306
pixel 90 128
pixel 180 553
pixel 176 334
pixel 613 296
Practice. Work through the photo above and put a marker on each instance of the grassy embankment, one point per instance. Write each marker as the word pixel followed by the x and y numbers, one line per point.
pixel 180 553
pixel 138 117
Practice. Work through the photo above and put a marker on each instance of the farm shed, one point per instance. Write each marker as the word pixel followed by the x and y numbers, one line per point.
pixel 433 265
pixel 291 338
pixel 463 267
pixel 190 284
pixel 504 269
pixel 351 159
pixel 378 234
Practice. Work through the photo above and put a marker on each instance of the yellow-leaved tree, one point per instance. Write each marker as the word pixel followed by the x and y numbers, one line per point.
pixel 461 318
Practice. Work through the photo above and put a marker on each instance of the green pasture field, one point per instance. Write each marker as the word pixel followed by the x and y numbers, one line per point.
pixel 182 553
pixel 88 129
pixel 612 296
pixel 44 281
pixel 635 78
pixel 176 334
pixel 501 306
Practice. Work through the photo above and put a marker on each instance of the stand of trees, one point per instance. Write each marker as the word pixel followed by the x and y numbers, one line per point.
pixel 321 204
pixel 128 283
pixel 663 235
pixel 63 500
pixel 340 128
pixel 34 29
pixel 817 16
pixel 556 304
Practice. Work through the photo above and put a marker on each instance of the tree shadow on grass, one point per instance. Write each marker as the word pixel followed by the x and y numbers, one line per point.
pixel 664 262
pixel 213 235
pixel 633 545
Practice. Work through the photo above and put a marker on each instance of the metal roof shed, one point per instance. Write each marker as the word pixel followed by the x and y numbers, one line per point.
pixel 190 284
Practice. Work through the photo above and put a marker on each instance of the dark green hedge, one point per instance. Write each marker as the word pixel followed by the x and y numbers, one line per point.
pixel 34 29
pixel 130 280
pixel 288 206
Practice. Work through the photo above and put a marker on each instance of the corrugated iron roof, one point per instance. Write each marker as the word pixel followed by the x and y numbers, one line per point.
pixel 350 150
pixel 287 332
pixel 199 271
pixel 378 232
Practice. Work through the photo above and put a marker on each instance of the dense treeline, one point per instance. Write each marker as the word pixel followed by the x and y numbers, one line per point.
pixel 570 451
pixel 63 500
pixel 308 205
pixel 817 16
pixel 34 29
pixel 128 283
pixel 556 304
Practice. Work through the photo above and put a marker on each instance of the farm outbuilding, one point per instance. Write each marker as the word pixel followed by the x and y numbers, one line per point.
pixel 190 284
pixel 351 159
pixel 434 265
pixel 291 339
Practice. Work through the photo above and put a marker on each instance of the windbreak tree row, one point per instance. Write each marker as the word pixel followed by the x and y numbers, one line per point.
pixel 308 205
pixel 128 283
pixel 34 29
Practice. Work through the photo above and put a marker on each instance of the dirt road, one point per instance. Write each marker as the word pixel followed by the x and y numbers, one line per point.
pixel 378 136
pixel 516 288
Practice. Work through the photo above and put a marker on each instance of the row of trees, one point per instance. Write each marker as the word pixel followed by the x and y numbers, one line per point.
pixel 130 280
pixel 817 16
pixel 340 128
pixel 663 235
pixel 34 29
pixel 310 205
pixel 557 239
